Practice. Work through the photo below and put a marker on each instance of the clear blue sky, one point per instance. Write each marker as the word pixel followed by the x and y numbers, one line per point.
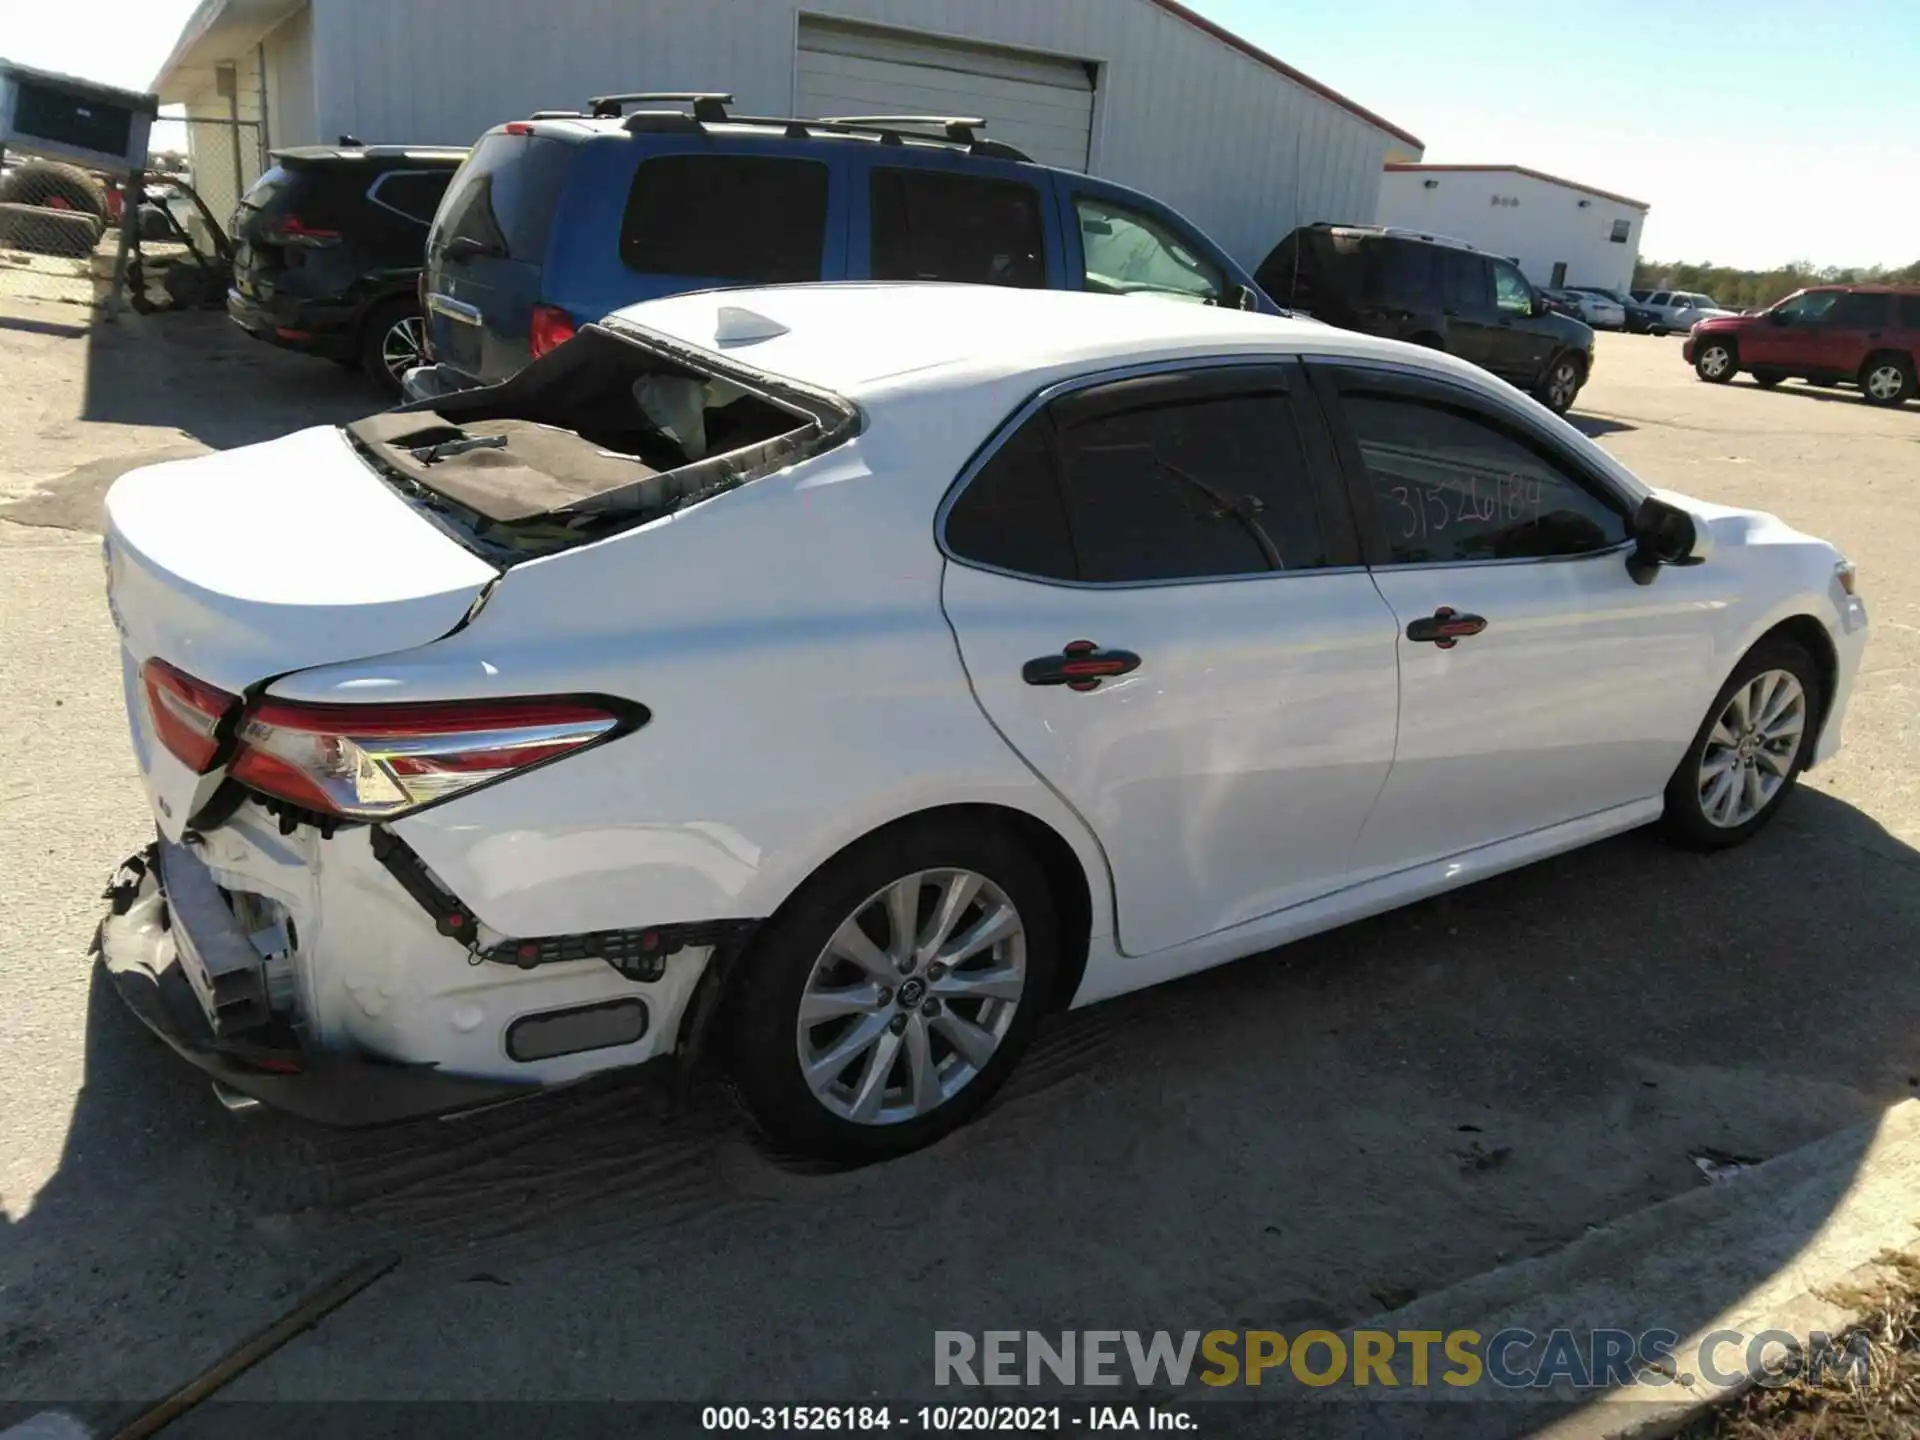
pixel 1760 131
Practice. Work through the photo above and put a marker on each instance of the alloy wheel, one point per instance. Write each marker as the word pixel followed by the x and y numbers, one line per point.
pixel 403 346
pixel 1751 749
pixel 1714 361
pixel 1885 382
pixel 1563 385
pixel 910 998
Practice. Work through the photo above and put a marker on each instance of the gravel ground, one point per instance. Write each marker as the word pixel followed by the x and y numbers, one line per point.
pixel 1314 1135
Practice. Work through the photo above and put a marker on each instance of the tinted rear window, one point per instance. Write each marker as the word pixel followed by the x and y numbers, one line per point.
pixel 933 225
pixel 742 218
pixel 504 196
pixel 323 196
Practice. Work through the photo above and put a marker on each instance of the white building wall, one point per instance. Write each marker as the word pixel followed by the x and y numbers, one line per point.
pixel 1549 224
pixel 1239 148
pixel 291 118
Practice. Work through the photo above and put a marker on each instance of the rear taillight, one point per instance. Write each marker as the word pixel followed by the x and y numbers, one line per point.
pixel 549 328
pixel 371 762
pixel 292 230
pixel 186 713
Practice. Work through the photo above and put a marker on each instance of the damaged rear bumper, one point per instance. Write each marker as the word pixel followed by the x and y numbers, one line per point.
pixel 140 952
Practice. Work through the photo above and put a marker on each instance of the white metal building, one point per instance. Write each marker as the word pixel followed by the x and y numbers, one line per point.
pixel 1558 232
pixel 1145 92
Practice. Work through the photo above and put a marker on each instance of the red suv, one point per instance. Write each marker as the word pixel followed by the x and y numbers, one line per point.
pixel 1867 334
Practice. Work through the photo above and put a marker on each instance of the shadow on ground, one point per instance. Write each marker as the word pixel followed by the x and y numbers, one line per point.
pixel 1594 426
pixel 196 373
pixel 1308 1137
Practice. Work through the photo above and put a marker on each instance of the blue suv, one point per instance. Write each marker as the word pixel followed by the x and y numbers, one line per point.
pixel 558 220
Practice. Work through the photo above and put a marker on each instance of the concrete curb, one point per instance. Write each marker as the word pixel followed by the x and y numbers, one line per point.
pixel 1750 1254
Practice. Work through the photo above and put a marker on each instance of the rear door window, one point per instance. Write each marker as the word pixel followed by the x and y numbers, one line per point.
pixel 1125 253
pixel 971 229
pixel 1400 273
pixel 1175 489
pixel 1854 311
pixel 504 197
pixel 1465 282
pixel 747 219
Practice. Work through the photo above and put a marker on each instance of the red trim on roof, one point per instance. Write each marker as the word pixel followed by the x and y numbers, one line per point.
pixel 1524 170
pixel 1245 47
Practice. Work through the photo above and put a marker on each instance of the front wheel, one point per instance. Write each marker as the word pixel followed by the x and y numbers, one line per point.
pixel 1744 761
pixel 1886 380
pixel 891 997
pixel 1716 362
pixel 1562 384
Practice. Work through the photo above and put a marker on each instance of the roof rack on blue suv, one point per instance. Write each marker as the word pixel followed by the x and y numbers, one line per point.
pixel 562 218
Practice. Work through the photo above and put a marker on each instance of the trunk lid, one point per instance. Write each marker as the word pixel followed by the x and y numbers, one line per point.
pixel 244 565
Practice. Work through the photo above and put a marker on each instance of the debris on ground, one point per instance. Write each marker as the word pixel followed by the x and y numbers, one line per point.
pixel 1873 1395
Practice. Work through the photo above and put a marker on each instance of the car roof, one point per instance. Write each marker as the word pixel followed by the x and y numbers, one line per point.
pixel 860 338
pixel 773 132
pixel 448 155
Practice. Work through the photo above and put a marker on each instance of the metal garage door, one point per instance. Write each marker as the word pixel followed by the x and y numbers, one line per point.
pixel 1041 103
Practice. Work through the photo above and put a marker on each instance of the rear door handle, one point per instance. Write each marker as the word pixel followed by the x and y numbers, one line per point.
pixel 1080 665
pixel 1446 627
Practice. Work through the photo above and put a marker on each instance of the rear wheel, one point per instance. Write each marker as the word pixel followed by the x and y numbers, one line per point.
pixel 392 342
pixel 1757 738
pixel 1886 379
pixel 891 997
pixel 1562 383
pixel 1716 361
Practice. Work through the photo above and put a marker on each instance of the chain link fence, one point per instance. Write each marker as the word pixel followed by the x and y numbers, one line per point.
pixel 59 231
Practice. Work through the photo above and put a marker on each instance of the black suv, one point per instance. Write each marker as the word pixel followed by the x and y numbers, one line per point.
pixel 328 247
pixel 1436 292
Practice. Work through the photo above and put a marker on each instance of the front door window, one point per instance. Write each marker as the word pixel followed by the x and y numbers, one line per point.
pixel 1127 253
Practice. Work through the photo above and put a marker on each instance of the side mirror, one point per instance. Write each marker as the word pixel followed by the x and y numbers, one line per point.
pixel 1541 305
pixel 1663 534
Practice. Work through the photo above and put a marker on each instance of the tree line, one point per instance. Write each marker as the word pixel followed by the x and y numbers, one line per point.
pixel 1752 289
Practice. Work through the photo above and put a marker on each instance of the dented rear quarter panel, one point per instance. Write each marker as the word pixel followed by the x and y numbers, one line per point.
pixel 804 686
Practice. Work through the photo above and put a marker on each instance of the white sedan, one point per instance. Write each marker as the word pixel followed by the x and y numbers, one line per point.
pixel 847 676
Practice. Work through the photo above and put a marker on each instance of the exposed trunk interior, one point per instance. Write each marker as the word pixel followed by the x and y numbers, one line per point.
pixel 609 431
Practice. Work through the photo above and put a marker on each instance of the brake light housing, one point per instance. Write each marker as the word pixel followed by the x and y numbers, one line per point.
pixel 548 328
pixel 292 230
pixel 376 762
pixel 187 713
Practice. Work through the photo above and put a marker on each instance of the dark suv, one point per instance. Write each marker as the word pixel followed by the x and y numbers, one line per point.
pixel 1868 335
pixel 1436 292
pixel 328 246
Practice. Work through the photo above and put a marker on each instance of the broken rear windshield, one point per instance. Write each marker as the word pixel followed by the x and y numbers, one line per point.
pixel 607 432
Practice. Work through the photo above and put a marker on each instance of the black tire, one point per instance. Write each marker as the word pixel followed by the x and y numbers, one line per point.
pixel 376 338
pixel 1883 370
pixel 48 232
pixel 764 1003
pixel 1716 361
pixel 35 182
pixel 1685 820
pixel 1560 385
pixel 1767 379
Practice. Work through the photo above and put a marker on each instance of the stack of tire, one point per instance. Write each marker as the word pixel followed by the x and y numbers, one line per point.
pixel 51 209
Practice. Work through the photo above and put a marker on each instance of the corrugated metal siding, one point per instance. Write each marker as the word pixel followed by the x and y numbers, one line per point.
pixel 291 119
pixel 1239 148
